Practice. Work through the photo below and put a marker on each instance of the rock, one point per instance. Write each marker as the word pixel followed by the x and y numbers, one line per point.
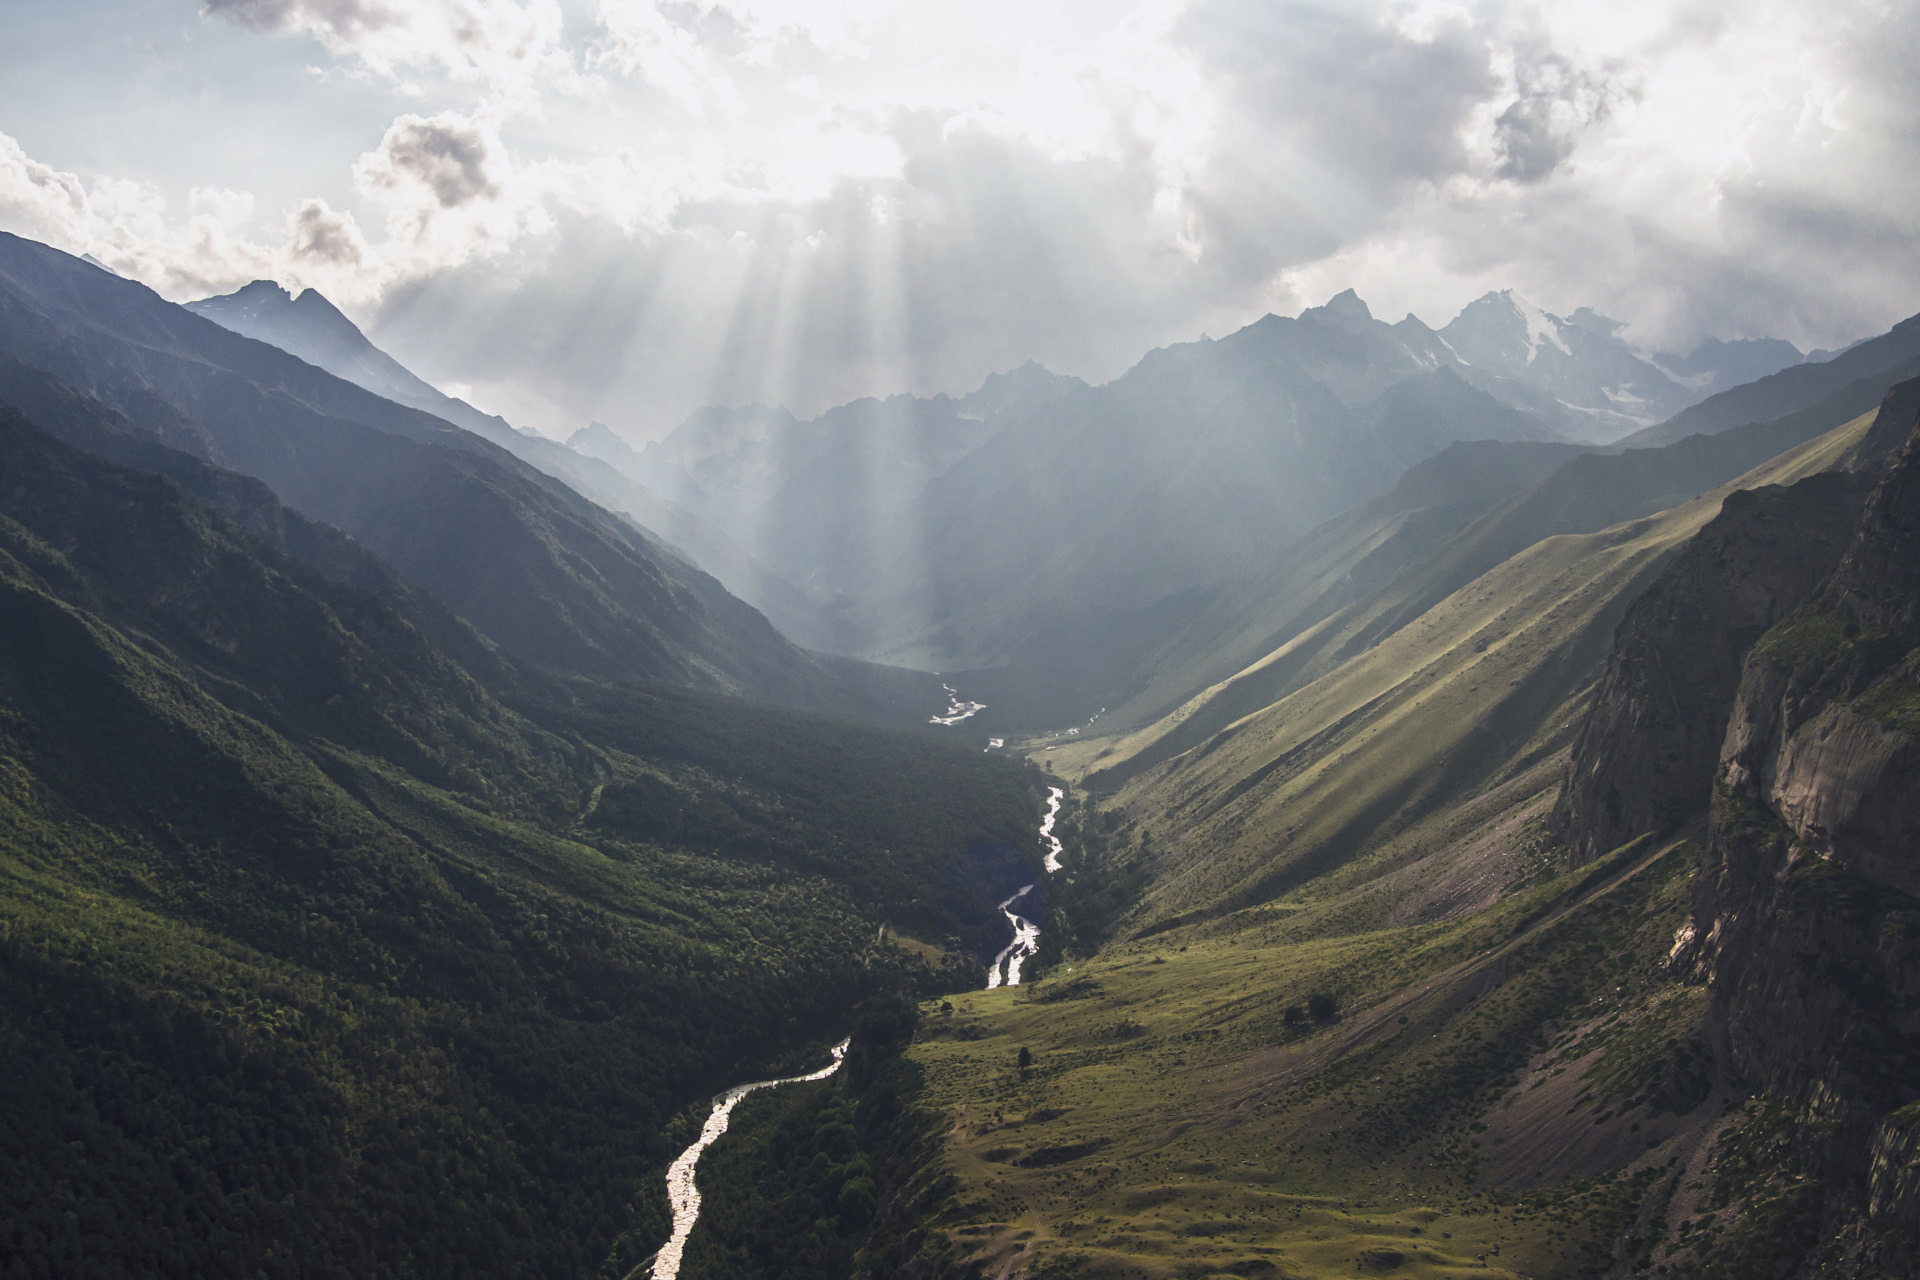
pixel 1645 756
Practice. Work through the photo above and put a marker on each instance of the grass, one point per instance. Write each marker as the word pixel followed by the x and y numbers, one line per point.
pixel 1400 730
pixel 1172 1124
pixel 1513 1084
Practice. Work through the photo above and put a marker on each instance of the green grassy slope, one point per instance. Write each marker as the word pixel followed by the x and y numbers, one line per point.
pixel 1585 494
pixel 320 959
pixel 1365 1019
pixel 1499 1095
pixel 1471 693
pixel 1335 564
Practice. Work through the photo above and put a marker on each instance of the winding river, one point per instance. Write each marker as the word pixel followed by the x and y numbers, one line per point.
pixel 1054 795
pixel 1026 933
pixel 681 1191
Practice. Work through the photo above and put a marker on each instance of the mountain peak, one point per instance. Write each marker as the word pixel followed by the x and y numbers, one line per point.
pixel 1344 309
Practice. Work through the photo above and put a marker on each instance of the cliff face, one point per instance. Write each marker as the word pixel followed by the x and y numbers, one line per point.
pixel 1807 917
pixel 1644 758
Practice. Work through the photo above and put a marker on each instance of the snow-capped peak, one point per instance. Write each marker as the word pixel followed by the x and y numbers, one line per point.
pixel 1541 327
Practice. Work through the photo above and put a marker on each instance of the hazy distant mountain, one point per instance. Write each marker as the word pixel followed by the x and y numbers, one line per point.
pixel 311 327
pixel 1868 368
pixel 1040 517
pixel 1574 370
pixel 527 560
pixel 1714 365
pixel 833 504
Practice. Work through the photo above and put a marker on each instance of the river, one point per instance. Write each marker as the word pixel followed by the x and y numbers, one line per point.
pixel 1054 795
pixel 956 709
pixel 1026 933
pixel 1026 941
pixel 681 1191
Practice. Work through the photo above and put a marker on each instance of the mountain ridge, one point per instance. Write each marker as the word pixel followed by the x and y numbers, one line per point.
pixel 526 559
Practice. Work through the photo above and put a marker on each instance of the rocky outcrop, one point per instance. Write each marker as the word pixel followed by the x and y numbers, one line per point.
pixel 1645 756
pixel 1807 917
pixel 1894 421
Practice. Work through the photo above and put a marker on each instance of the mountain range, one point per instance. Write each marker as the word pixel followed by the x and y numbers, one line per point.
pixel 529 561
pixel 1127 505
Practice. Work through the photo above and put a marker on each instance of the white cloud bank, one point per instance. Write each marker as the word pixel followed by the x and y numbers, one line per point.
pixel 626 211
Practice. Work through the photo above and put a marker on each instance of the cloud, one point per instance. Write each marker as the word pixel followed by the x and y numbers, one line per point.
pixel 808 200
pixel 514 47
pixel 444 163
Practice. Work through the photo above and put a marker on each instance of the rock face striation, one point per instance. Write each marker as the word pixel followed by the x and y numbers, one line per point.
pixel 1644 758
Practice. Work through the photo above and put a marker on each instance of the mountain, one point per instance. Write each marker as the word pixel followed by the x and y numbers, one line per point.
pixel 1394 988
pixel 1800 915
pixel 831 504
pixel 1582 494
pixel 1190 472
pixel 311 327
pixel 1865 371
pixel 1647 751
pixel 1577 365
pixel 1714 365
pixel 1046 539
pixel 532 564
pixel 323 958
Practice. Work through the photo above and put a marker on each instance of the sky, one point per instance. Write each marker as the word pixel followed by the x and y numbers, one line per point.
pixel 621 210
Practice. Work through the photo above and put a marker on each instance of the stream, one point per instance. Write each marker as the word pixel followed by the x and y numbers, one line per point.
pixel 956 709
pixel 1054 795
pixel 1026 941
pixel 681 1191
pixel 1026 933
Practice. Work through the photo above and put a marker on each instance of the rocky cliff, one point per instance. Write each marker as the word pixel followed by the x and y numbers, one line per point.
pixel 1806 918
pixel 1645 755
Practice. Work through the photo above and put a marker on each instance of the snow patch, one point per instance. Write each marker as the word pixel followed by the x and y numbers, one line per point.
pixel 1541 327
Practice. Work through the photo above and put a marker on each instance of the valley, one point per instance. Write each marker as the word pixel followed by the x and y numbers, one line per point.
pixel 1344 798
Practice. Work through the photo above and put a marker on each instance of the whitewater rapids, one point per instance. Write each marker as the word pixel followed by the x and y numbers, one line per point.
pixel 1026 934
pixel 1026 941
pixel 1054 795
pixel 956 709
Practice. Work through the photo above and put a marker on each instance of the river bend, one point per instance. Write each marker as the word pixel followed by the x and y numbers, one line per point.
pixel 681 1191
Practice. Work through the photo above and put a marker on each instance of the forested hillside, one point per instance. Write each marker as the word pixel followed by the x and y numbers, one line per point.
pixel 327 956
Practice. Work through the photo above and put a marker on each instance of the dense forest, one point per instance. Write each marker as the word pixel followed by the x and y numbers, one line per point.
pixel 328 954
